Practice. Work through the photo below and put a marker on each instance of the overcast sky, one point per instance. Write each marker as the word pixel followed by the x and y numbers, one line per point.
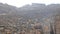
pixel 20 3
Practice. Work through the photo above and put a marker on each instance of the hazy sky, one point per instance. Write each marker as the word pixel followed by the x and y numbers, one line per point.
pixel 20 3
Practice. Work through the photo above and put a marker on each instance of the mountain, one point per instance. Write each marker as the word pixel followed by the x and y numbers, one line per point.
pixel 28 16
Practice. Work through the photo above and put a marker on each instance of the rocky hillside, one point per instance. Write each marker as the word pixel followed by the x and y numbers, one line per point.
pixel 35 16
